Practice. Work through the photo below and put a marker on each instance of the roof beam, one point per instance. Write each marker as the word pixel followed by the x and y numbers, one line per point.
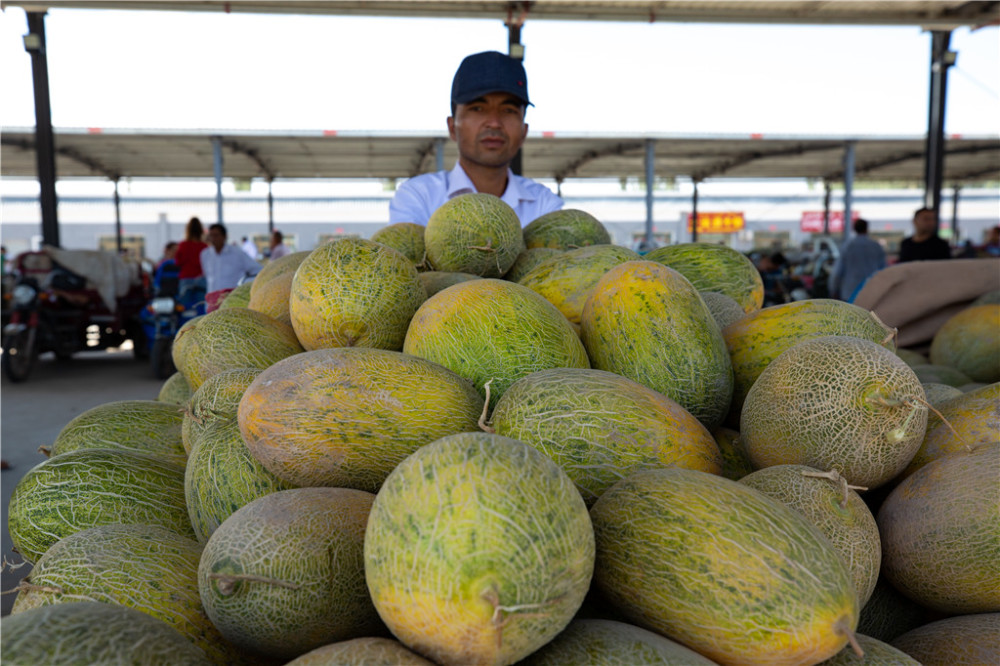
pixel 71 153
pixel 742 159
pixel 417 166
pixel 907 156
pixel 570 169
pixel 253 154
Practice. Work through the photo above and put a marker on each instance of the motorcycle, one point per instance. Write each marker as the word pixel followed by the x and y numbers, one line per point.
pixel 169 309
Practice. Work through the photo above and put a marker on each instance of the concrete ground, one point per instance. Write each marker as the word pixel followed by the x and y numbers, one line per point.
pixel 33 412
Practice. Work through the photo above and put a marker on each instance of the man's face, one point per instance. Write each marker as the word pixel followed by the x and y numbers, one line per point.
pixel 216 238
pixel 489 130
pixel 924 221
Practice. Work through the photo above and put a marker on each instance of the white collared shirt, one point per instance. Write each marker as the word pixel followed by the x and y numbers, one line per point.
pixel 417 198
pixel 225 269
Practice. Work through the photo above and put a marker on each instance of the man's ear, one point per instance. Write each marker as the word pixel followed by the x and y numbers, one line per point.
pixel 451 128
pixel 524 132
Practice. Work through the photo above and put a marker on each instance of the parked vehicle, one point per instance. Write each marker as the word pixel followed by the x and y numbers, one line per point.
pixel 163 316
pixel 55 309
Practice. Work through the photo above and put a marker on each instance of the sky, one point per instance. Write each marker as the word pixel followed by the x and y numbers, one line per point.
pixel 144 69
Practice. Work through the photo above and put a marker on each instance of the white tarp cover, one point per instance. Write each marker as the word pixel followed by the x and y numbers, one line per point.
pixel 111 275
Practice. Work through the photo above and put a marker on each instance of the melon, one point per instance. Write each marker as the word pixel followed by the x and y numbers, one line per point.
pixel 144 567
pixel 970 420
pixel 938 394
pixel 354 293
pixel 761 336
pixel 527 260
pixel 478 550
pixel 435 281
pixel 721 568
pixel 493 331
pixel 239 297
pixel 141 426
pixel 273 298
pixel 91 632
pixel 567 279
pixel 829 503
pixel 287 264
pixel 217 399
pixel 735 460
pixel 285 574
pixel 611 643
pixel 941 533
pixel 836 402
pixel 969 342
pixel 374 651
pixel 406 238
pixel 565 229
pixel 175 390
pixel 715 268
pixel 875 652
pixel 600 427
pixel 473 233
pixel 912 358
pixel 964 640
pixel 346 417
pixel 989 298
pixel 228 340
pixel 889 614
pixel 724 309
pixel 971 386
pixel 222 476
pixel 941 374
pixel 80 489
pixel 646 322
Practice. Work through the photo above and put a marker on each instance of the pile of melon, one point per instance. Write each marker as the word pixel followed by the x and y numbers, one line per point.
pixel 473 443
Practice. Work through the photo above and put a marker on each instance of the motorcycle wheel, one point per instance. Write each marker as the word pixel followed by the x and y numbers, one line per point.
pixel 19 354
pixel 162 358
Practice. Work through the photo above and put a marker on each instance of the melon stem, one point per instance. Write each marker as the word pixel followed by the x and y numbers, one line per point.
pixel 842 627
pixel 891 333
pixel 835 476
pixel 45 451
pixel 483 422
pixel 227 582
pixel 968 447
pixel 26 586
pixel 7 565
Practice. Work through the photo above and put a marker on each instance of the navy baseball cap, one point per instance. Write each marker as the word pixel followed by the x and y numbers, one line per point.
pixel 488 72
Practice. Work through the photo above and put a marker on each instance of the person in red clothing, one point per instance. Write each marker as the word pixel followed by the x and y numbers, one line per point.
pixel 188 257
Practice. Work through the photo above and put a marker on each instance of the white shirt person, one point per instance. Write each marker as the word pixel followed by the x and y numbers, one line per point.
pixel 224 265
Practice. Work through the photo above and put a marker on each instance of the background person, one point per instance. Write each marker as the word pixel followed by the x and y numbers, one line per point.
pixel 225 265
pixel 924 244
pixel 278 247
pixel 489 97
pixel 188 257
pixel 860 258
pixel 249 247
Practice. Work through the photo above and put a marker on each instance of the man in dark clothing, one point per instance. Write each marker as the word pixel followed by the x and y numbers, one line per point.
pixel 924 244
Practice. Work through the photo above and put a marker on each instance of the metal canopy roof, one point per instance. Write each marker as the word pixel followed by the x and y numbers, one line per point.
pixel 933 15
pixel 326 154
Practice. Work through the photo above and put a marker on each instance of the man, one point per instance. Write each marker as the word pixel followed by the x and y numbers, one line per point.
pixel 489 96
pixel 278 247
pixel 860 258
pixel 224 265
pixel 249 247
pixel 924 244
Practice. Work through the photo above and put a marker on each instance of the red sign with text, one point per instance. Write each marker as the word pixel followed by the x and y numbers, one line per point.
pixel 812 221
pixel 718 223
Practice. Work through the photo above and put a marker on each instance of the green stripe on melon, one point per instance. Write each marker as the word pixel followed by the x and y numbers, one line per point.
pixel 722 569
pixel 473 233
pixel 716 268
pixel 478 550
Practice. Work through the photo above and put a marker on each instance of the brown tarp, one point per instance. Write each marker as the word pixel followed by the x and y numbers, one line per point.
pixel 919 297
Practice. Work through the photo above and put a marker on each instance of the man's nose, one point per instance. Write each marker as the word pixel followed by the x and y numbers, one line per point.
pixel 493 118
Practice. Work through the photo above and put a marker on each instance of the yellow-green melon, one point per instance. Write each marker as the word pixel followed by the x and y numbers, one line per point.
pixel 473 233
pixel 435 281
pixel 175 390
pixel 406 238
pixel 970 342
pixel 963 640
pixel 273 298
pixel 715 268
pixel 565 229
pixel 875 652
pixel 239 297
pixel 527 260
pixel 373 651
pixel 724 309
pixel 276 267
pixel 218 398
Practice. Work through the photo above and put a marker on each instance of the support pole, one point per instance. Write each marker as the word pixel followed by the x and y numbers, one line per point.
pixel 826 207
pixel 270 207
pixel 516 51
pixel 118 219
pixel 650 175
pixel 941 60
pixel 694 212
pixel 45 155
pixel 954 214
pixel 439 154
pixel 848 187
pixel 217 168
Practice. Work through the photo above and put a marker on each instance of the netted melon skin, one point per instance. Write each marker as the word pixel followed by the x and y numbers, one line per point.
pixel 647 322
pixel 969 342
pixel 231 339
pixel 144 567
pixel 493 330
pixel 527 260
pixel 276 268
pixel 965 640
pixel 406 238
pixel 354 293
pixel 473 233
pixel 875 652
pixel 222 476
pixel 218 398
pixel 941 374
pixel 479 550
pixel 175 390
pixel 273 298
pixel 565 229
pixel 941 533
pixel 237 298
pixel 889 614
pixel 836 402
pixel 361 652
pixel 721 568
pixel 91 632
pixel 285 574
pixel 600 427
pixel 346 417
pixel 724 309
pixel 715 268
pixel 82 489
pixel 611 643
pixel 937 394
pixel 435 281
pixel 568 279
pixel 763 335
pixel 839 513
pixel 141 426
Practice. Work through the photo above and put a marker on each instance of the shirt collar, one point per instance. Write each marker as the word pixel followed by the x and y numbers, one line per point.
pixel 459 183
